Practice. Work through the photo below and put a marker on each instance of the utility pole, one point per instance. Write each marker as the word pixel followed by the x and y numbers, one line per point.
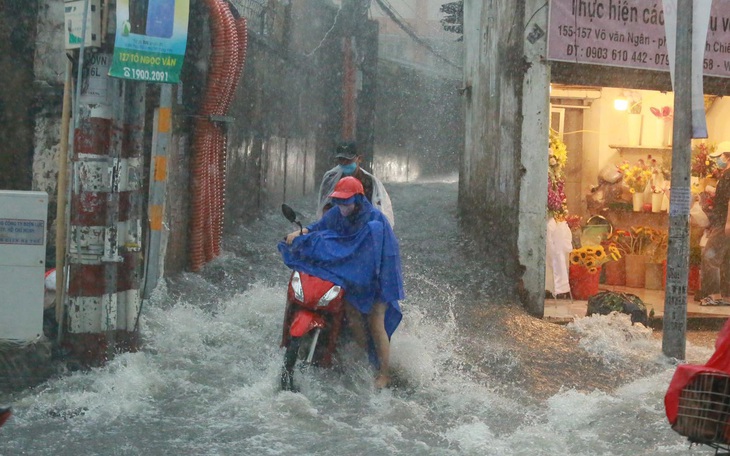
pixel 349 71
pixel 675 300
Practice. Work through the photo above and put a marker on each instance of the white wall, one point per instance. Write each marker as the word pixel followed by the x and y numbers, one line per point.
pixel 604 127
pixel 718 127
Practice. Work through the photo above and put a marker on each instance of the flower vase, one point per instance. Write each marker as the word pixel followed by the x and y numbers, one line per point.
pixel 638 201
pixel 652 132
pixel 634 129
pixel 583 284
pixel 616 272
pixel 656 202
pixel 659 126
pixel 654 276
pixel 635 270
pixel 668 132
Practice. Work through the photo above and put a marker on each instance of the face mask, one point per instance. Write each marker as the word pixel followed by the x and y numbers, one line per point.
pixel 721 163
pixel 348 169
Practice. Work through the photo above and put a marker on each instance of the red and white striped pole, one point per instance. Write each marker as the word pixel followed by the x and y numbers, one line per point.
pixel 105 234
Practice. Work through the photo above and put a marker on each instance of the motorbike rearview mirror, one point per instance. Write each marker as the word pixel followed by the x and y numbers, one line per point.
pixel 289 213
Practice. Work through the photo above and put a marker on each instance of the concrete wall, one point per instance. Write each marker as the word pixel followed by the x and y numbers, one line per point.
pixel 492 167
pixel 17 98
pixel 534 160
pixel 49 68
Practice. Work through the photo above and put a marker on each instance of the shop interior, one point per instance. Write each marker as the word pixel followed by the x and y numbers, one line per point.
pixel 608 196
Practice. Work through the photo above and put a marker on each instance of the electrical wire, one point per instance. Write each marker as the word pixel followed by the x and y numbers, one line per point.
pixel 325 35
pixel 388 10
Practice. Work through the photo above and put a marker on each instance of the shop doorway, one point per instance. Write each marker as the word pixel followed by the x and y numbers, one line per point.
pixel 616 179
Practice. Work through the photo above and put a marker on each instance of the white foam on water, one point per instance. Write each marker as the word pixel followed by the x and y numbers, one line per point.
pixel 206 383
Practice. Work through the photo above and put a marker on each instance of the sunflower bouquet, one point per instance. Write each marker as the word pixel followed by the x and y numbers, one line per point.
pixel 593 256
pixel 634 241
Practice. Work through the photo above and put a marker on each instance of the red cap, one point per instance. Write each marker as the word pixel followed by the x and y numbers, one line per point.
pixel 347 187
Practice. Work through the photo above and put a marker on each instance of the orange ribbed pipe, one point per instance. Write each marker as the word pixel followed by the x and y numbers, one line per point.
pixel 228 36
pixel 236 52
pixel 227 67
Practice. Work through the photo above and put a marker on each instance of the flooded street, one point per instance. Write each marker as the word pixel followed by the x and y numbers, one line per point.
pixel 475 374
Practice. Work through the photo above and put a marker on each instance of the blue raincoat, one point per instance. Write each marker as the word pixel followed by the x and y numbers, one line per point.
pixel 359 253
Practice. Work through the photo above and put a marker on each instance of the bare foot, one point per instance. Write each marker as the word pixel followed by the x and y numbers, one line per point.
pixel 382 381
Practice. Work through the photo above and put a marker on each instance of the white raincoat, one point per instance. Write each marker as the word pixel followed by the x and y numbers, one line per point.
pixel 380 200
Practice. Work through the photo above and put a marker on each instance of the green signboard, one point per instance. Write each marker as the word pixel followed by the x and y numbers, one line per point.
pixel 151 37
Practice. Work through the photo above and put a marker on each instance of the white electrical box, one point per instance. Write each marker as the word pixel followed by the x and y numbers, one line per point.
pixel 74 20
pixel 22 263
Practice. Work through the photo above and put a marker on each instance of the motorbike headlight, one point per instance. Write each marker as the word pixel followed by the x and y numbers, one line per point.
pixel 329 296
pixel 296 285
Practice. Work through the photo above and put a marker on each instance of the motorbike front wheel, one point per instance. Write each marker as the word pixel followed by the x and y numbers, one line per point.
pixel 299 348
pixel 290 359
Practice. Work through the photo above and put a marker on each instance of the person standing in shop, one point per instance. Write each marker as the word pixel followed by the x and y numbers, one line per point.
pixel 715 266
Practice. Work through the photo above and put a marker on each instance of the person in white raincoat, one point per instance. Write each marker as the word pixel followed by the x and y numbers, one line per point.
pixel 349 165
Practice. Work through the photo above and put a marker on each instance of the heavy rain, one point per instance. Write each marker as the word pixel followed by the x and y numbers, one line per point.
pixel 479 364
pixel 474 374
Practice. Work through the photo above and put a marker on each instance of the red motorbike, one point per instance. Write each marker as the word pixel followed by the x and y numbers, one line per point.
pixel 313 318
pixel 5 413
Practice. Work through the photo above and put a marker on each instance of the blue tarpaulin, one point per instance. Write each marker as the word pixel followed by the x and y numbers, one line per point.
pixel 359 253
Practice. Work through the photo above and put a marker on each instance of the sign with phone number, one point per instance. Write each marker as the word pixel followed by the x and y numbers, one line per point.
pixel 143 66
pixel 628 33
pixel 150 40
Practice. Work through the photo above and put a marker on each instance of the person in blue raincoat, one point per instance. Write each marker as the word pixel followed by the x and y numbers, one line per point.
pixel 353 246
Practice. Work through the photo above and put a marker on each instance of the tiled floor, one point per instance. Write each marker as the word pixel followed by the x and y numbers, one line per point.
pixel 564 309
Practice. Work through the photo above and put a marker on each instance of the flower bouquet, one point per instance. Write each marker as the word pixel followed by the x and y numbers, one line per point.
pixel 703 167
pixel 593 256
pixel 557 200
pixel 636 177
pixel 585 265
pixel 633 241
pixel 664 113
pixel 633 245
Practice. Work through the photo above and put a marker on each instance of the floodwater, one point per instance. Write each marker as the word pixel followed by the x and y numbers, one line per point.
pixel 475 374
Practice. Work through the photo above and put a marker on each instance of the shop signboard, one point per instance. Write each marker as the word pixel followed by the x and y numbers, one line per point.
pixel 630 34
pixel 151 36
